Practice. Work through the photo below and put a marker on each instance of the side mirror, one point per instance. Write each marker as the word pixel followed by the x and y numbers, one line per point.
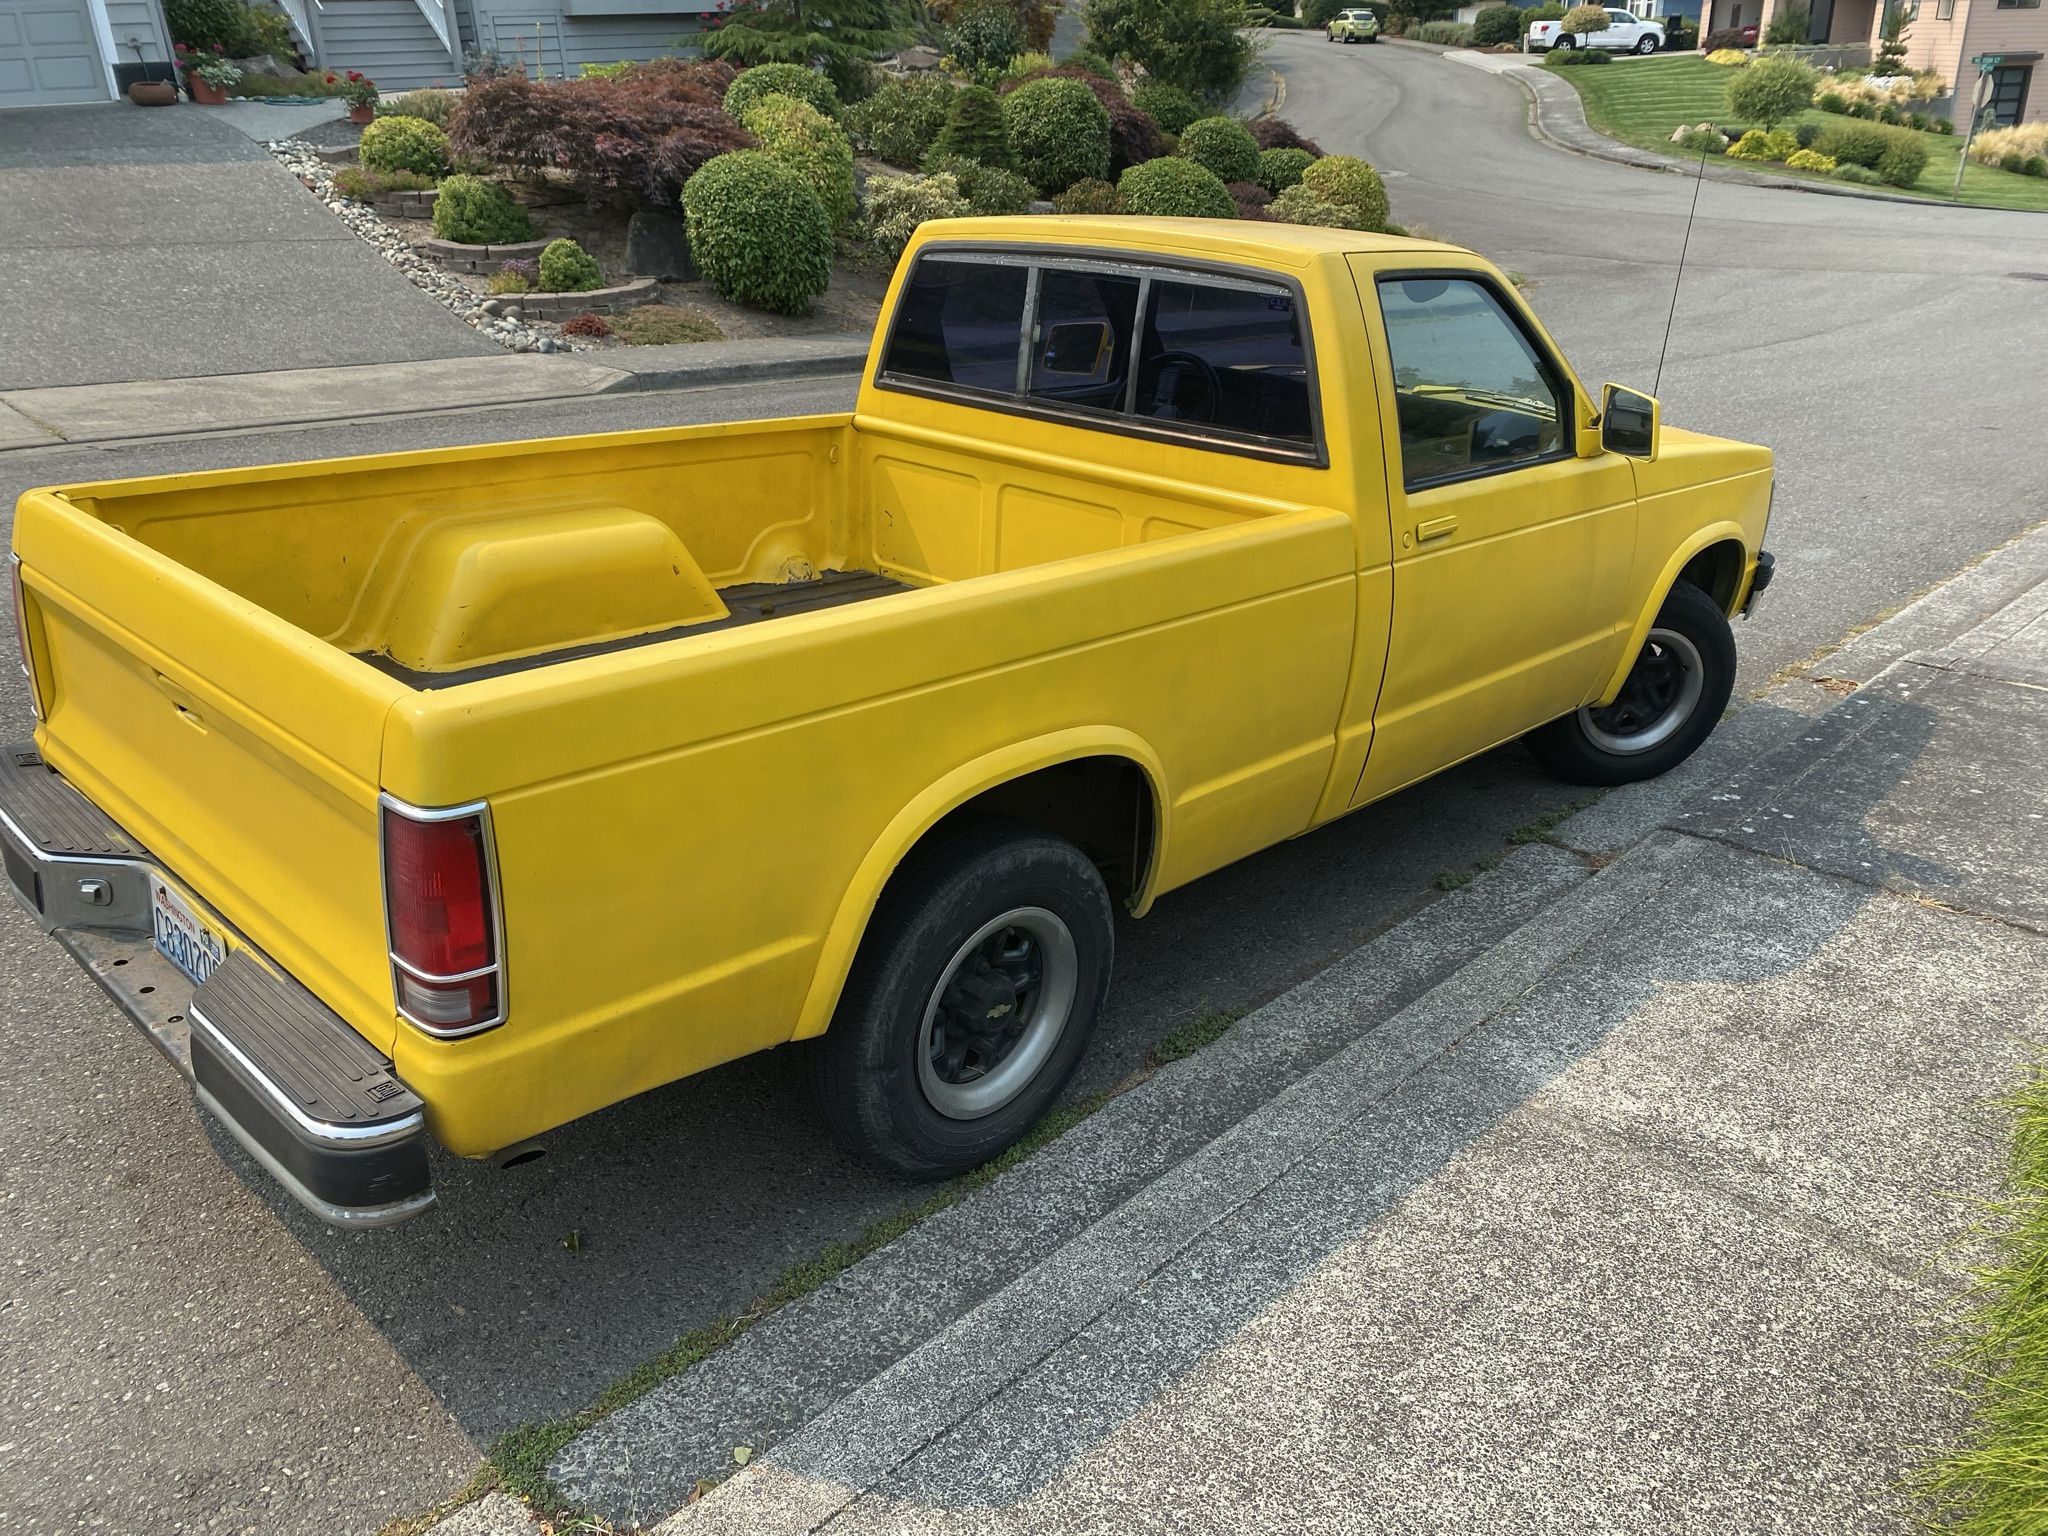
pixel 1079 346
pixel 1628 422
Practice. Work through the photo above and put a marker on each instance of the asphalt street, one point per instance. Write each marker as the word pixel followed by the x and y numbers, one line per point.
pixel 181 1350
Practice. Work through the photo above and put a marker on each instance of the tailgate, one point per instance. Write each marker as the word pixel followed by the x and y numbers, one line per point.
pixel 239 749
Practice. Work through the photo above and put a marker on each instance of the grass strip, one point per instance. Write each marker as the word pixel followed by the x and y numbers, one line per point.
pixel 1995 1483
pixel 517 1463
pixel 1640 102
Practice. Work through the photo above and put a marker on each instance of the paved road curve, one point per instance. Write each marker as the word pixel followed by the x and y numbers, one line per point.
pixel 179 1350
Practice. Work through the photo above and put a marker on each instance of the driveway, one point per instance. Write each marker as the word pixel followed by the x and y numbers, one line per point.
pixel 166 244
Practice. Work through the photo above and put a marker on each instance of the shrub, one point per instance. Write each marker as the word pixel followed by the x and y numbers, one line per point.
pixel 898 204
pixel 1831 101
pixel 975 130
pixel 985 37
pixel 1172 187
pixel 806 85
pixel 1855 143
pixel 1563 58
pixel 1723 40
pixel 1278 133
pixel 1759 145
pixel 1089 197
pixel 405 144
pixel 1250 198
pixel 1060 133
pixel 758 234
pixel 1133 136
pixel 1771 90
pixel 565 267
pixel 663 325
pixel 2036 165
pixel 1168 105
pixel 1221 145
pixel 1495 25
pixel 633 140
pixel 1450 34
pixel 515 277
pixel 1703 140
pixel 610 71
pixel 1280 169
pixel 1299 205
pixel 1903 160
pixel 472 211
pixel 810 144
pixel 1199 45
pixel 1858 174
pixel 1806 133
pixel 989 189
pixel 1582 19
pixel 1349 183
pixel 1808 160
pixel 430 105
pixel 1995 145
pixel 200 24
pixel 901 121
pixel 590 323
pixel 360 185
pixel 1027 64
pixel 1944 126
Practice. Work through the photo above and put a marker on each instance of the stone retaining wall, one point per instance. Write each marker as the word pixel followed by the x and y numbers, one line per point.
pixel 479 258
pixel 407 205
pixel 560 306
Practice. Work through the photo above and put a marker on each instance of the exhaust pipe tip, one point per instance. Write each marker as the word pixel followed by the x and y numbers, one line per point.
pixel 519 1154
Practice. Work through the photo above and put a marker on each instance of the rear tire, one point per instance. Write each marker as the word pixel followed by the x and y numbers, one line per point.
pixel 1563 44
pixel 970 1003
pixel 1670 703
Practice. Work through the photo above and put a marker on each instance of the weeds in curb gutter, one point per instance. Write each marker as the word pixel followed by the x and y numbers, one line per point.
pixel 1996 1482
pixel 517 1463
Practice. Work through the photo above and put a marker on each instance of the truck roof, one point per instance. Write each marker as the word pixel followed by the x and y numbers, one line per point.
pixel 1283 245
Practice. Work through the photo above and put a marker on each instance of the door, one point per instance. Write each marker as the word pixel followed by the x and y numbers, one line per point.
pixel 2009 93
pixel 1621 34
pixel 47 54
pixel 1510 549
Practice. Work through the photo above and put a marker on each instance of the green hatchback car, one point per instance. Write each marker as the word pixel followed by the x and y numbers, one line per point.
pixel 1359 26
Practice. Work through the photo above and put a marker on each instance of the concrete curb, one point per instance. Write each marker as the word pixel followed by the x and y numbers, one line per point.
pixel 693 365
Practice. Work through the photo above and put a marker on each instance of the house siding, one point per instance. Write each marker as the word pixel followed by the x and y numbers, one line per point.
pixel 547 40
pixel 1938 45
pixel 388 40
pixel 137 25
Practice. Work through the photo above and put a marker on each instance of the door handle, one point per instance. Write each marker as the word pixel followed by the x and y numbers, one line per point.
pixel 1435 528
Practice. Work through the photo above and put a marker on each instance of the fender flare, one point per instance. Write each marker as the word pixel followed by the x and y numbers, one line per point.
pixel 857 906
pixel 1724 532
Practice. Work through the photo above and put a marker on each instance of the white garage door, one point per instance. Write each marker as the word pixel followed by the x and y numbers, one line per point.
pixel 47 54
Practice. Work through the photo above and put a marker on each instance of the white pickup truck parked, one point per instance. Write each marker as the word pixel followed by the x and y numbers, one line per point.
pixel 1624 34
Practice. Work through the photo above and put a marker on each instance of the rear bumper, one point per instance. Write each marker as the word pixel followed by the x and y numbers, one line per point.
pixel 304 1094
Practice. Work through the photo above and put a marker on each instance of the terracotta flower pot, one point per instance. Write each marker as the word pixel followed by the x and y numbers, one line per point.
pixel 205 95
pixel 363 112
pixel 153 93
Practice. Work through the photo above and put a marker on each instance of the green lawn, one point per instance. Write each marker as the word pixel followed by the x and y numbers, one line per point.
pixel 1639 101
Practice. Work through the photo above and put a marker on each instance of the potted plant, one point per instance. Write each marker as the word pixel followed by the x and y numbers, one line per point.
pixel 360 92
pixel 207 76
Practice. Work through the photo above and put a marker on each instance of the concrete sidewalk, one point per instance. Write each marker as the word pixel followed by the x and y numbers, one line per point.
pixel 1642 1219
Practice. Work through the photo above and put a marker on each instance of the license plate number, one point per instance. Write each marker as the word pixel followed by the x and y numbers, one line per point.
pixel 180 936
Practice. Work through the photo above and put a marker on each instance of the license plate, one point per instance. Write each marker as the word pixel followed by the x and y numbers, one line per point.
pixel 181 937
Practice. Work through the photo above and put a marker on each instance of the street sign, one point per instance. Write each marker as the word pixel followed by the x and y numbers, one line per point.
pixel 1983 97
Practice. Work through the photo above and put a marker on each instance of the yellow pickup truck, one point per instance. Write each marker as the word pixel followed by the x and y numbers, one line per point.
pixel 461 793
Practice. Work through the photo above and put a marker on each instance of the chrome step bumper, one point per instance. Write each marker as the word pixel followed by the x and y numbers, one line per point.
pixel 310 1099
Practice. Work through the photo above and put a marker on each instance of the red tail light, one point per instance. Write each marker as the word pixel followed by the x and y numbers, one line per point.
pixel 28 666
pixel 441 907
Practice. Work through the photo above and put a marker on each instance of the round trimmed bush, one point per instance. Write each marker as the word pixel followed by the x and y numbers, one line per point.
pixel 1174 187
pixel 898 204
pixel 1807 160
pixel 903 119
pixel 1222 145
pixel 1299 205
pixel 1350 183
pixel 984 37
pixel 1903 159
pixel 809 143
pixel 473 211
pixel 1280 169
pixel 405 144
pixel 806 85
pixel 1089 197
pixel 757 232
pixel 1771 90
pixel 1495 25
pixel 1059 131
pixel 565 267
pixel 975 129
pixel 1167 105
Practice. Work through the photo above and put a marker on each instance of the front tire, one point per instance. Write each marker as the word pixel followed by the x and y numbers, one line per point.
pixel 970 1003
pixel 1669 704
pixel 1646 46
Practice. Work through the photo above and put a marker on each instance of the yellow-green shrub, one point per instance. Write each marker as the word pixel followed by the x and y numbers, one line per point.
pixel 1810 160
pixel 1728 58
pixel 809 143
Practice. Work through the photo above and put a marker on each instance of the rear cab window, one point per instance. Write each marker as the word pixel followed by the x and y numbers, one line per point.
pixel 1211 356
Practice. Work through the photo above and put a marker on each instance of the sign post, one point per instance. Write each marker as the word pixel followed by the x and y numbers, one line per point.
pixel 1986 63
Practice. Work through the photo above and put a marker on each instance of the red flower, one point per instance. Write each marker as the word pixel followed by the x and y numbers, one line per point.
pixel 355 74
pixel 330 80
pixel 218 49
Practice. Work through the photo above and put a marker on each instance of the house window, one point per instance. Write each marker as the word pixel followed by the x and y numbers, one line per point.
pixel 2019 5
pixel 2009 93
pixel 1944 10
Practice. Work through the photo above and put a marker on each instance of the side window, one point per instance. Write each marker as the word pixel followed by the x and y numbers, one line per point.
pixel 1620 18
pixel 1471 390
pixel 960 322
pixel 1225 356
pixel 1081 344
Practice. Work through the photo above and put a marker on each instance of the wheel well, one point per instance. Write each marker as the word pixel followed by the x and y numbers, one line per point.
pixel 1102 805
pixel 1717 571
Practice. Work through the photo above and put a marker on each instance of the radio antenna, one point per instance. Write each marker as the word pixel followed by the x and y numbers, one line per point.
pixel 1684 245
